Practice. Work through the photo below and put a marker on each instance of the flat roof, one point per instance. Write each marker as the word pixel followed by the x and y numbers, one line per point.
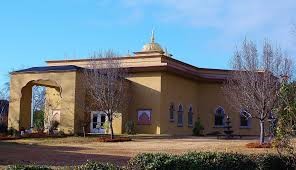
pixel 49 69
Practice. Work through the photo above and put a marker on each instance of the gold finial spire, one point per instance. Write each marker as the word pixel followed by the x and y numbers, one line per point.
pixel 152 46
pixel 152 36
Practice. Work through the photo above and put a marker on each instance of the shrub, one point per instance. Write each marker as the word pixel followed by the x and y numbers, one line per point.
pixel 106 126
pixel 208 160
pixel 53 126
pixel 198 128
pixel 38 120
pixel 12 132
pixel 61 133
pixel 152 161
pixel 130 127
pixel 27 167
pixel 273 162
pixel 190 161
pixel 90 165
pixel 3 127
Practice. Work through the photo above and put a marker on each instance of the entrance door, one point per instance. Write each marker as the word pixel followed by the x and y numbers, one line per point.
pixel 97 122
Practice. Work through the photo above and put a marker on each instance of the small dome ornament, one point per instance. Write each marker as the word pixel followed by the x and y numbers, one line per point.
pixel 166 53
pixel 152 46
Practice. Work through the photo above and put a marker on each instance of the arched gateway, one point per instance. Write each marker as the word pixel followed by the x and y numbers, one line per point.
pixel 59 83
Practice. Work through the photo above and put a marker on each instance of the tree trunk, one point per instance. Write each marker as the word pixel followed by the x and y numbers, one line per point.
pixel 261 131
pixel 111 128
pixel 83 128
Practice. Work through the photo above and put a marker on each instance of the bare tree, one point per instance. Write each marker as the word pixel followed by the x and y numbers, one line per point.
pixel 4 98
pixel 4 92
pixel 106 84
pixel 38 107
pixel 254 84
pixel 38 98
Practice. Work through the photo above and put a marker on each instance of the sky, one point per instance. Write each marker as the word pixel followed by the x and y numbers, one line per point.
pixel 201 33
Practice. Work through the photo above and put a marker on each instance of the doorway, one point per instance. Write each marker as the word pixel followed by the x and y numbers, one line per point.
pixel 98 118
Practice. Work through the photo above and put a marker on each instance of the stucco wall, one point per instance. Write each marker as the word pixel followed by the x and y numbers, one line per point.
pixel 145 91
pixel 65 80
pixel 210 98
pixel 177 90
pixel 81 116
pixel 204 98
pixel 53 102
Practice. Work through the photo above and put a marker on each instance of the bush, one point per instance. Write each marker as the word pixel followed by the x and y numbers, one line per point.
pixel 130 127
pixel 90 165
pixel 3 127
pixel 208 160
pixel 153 161
pixel 106 126
pixel 274 162
pixel 38 120
pixel 198 128
pixel 12 132
pixel 27 167
pixel 190 161
pixel 53 126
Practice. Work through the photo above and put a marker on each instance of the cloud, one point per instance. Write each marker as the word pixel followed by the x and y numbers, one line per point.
pixel 233 19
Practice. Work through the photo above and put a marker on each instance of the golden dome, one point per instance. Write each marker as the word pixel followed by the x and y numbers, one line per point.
pixel 152 46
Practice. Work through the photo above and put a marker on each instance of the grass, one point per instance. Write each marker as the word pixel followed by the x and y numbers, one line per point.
pixel 170 145
pixel 76 150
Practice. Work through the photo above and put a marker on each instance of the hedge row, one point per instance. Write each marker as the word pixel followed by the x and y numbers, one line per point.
pixel 87 166
pixel 190 161
pixel 209 160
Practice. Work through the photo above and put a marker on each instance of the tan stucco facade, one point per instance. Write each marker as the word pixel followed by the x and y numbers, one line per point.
pixel 21 93
pixel 156 82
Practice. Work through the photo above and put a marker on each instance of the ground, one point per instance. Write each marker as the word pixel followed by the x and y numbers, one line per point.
pixel 76 150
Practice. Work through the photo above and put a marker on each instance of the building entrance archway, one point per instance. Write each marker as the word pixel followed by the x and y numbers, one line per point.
pixel 52 103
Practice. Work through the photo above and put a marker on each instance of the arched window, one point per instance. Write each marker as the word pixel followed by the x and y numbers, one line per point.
pixel 219 116
pixel 244 119
pixel 172 111
pixel 190 116
pixel 180 115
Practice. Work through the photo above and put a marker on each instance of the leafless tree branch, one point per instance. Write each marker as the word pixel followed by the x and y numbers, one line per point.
pixel 254 84
pixel 106 84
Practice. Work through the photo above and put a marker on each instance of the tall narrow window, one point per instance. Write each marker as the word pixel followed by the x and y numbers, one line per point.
pixel 244 119
pixel 180 115
pixel 219 117
pixel 172 111
pixel 190 116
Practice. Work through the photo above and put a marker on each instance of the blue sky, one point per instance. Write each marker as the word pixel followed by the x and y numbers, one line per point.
pixel 202 33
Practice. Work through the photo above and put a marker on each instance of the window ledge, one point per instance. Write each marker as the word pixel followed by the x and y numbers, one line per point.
pixel 190 126
pixel 180 125
pixel 172 120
